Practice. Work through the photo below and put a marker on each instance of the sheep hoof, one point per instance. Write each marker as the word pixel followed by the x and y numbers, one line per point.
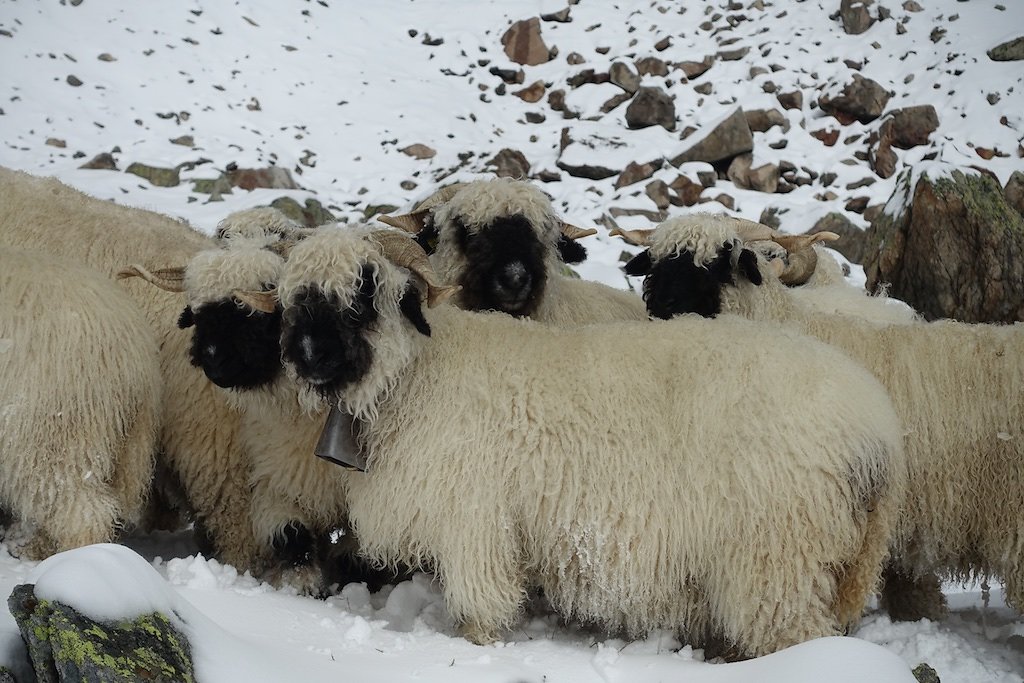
pixel 477 634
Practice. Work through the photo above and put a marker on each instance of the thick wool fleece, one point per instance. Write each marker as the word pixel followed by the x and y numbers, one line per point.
pixel 198 432
pixel 82 398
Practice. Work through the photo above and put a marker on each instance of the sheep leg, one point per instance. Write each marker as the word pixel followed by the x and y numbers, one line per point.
pixel 909 598
pixel 82 516
pixel 482 587
pixel 283 532
pixel 763 614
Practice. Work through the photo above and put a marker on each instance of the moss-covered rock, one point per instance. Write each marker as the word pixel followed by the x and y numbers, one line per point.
pixel 312 215
pixel 162 177
pixel 951 247
pixel 212 186
pixel 373 209
pixel 64 645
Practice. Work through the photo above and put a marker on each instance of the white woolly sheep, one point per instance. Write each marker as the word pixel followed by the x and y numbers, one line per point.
pixel 959 390
pixel 198 431
pixel 80 402
pixel 296 498
pixel 502 242
pixel 764 521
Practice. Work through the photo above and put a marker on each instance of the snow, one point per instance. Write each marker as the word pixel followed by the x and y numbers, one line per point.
pixel 333 91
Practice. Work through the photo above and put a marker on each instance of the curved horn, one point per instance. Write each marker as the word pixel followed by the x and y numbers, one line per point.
pixel 408 222
pixel 638 238
pixel 265 302
pixel 404 252
pixel 793 243
pixel 574 233
pixel 439 197
pixel 799 267
pixel 168 279
pixel 749 231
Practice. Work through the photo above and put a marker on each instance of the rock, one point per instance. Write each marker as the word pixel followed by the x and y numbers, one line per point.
pixel 574 58
pixel 508 76
pixel 613 102
pixel 727 201
pixel 727 139
pixel 104 161
pixel 911 126
pixel 764 178
pixel 74 81
pixel 685 192
pixel 312 215
pixel 925 674
pixel 657 190
pixel 828 136
pixel 1010 51
pixel 762 120
pixel 634 173
pixel 272 177
pixel 106 57
pixel 952 248
pixel 535 117
pixel 212 186
pixel 855 15
pixel 184 141
pixel 1014 191
pixel 912 6
pixel 739 169
pixel 523 43
pixel 694 69
pixel 733 55
pixel 705 88
pixel 371 210
pixel 651 106
pixel 419 151
pixel 161 177
pixel 587 76
pixel 857 204
pixel 510 163
pixel 531 93
pixel 56 142
pixel 561 16
pixel 770 217
pixel 653 216
pixel 64 645
pixel 651 66
pixel 585 170
pixel 862 99
pixel 882 158
pixel 624 77
pixel 852 240
pixel 791 100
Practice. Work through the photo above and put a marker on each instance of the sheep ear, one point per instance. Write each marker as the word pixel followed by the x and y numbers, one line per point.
pixel 168 279
pixel 640 264
pixel 411 309
pixel 571 251
pixel 747 263
pixel 186 319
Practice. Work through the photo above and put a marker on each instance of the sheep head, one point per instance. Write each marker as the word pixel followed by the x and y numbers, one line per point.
pixel 690 260
pixel 352 312
pixel 497 238
pixel 235 333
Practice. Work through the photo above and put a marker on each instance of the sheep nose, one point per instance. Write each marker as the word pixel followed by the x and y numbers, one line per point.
pixel 514 277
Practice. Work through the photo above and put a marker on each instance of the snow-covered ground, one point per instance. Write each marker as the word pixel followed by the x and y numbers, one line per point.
pixel 334 91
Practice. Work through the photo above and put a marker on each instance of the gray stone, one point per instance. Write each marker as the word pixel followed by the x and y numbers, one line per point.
pixel 651 66
pixel 657 190
pixel 634 173
pixel 161 177
pixel 1010 51
pixel 312 215
pixel 911 126
pixel 624 77
pixel 104 161
pixel 855 15
pixel 925 674
pixel 651 106
pixel 419 151
pixel 862 100
pixel 510 163
pixel 762 120
pixel 271 177
pixel 730 137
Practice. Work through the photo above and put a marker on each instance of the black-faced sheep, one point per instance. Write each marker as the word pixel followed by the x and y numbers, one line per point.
pixel 502 242
pixel 959 390
pixel 80 402
pixel 764 520
pixel 198 431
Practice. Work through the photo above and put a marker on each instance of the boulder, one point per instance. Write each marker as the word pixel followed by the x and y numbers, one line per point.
pixel 523 43
pixel 650 107
pixel 949 245
pixel 64 645
pixel 911 126
pixel 510 163
pixel 862 99
pixel 531 93
pixel 161 177
pixel 623 76
pixel 1014 191
pixel 762 120
pixel 312 215
pixel 855 15
pixel 1010 51
pixel 634 173
pixel 271 177
pixel 724 141
pixel 103 161
pixel 419 151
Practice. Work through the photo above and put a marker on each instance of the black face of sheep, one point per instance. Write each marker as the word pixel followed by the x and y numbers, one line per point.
pixel 571 251
pixel 677 285
pixel 326 344
pixel 505 267
pixel 235 346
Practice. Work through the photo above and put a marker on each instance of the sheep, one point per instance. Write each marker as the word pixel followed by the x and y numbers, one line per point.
pixel 297 500
pixel 765 524
pixel 501 241
pixel 959 390
pixel 81 399
pixel 199 438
